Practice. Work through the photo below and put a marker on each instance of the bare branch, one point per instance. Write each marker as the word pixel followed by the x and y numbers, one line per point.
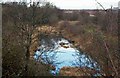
pixel 100 4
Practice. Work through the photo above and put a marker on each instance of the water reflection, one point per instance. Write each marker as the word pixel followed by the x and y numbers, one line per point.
pixel 62 53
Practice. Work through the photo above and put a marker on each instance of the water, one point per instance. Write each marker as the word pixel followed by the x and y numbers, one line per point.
pixel 60 55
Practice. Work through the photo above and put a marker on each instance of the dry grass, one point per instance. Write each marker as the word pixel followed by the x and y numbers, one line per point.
pixel 76 71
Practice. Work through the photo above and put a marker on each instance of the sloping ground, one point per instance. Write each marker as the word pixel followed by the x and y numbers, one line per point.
pixel 49 30
pixel 75 71
pixel 88 39
pixel 38 69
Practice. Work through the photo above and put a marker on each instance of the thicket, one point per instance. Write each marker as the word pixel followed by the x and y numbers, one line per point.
pixel 19 20
pixel 98 37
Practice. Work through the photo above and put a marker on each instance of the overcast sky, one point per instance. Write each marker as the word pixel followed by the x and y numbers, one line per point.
pixel 80 4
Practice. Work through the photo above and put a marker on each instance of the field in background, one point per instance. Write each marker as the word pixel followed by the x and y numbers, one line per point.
pixel 93 32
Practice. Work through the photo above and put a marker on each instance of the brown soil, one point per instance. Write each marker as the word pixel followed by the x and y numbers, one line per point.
pixel 75 71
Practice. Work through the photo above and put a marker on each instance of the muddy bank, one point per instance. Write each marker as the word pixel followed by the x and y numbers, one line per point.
pixel 76 71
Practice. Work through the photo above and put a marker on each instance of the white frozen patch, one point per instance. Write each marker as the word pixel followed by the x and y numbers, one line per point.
pixel 63 40
pixel 60 56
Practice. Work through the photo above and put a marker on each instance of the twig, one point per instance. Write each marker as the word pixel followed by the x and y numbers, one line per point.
pixel 108 52
pixel 100 5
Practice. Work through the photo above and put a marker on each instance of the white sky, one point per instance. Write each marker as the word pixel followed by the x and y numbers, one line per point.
pixel 79 4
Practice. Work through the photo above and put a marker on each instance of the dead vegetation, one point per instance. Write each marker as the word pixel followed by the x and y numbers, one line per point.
pixel 23 27
pixel 76 71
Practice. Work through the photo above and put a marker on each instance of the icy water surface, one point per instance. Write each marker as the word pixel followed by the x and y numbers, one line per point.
pixel 63 54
